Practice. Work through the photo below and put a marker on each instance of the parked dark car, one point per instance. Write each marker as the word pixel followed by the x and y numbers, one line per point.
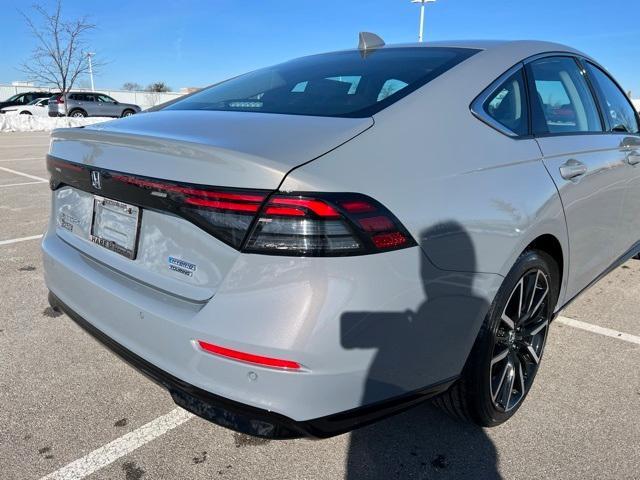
pixel 23 98
pixel 90 104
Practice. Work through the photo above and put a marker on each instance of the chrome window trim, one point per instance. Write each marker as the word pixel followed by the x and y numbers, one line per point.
pixel 477 106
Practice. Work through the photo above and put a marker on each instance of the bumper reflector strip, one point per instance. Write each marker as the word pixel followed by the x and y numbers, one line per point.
pixel 248 357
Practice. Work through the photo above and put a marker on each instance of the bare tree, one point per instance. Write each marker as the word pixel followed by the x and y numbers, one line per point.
pixel 60 56
pixel 158 87
pixel 131 86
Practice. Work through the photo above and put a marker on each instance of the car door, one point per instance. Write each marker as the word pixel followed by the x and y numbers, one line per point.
pixel 622 124
pixel 91 105
pixel 41 107
pixel 77 100
pixel 108 106
pixel 22 100
pixel 586 163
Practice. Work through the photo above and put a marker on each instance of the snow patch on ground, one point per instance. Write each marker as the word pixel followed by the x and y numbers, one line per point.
pixel 32 123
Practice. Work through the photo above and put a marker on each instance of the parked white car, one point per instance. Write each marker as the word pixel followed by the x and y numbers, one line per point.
pixel 37 107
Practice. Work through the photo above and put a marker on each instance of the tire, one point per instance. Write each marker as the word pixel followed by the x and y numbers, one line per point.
pixel 507 348
pixel 78 113
pixel 128 113
pixel 25 113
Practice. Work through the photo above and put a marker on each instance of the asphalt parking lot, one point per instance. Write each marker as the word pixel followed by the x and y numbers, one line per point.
pixel 71 409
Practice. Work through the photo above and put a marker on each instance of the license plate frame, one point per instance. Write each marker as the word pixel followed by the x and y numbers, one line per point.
pixel 115 226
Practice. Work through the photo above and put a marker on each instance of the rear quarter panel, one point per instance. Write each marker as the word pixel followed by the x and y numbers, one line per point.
pixel 472 197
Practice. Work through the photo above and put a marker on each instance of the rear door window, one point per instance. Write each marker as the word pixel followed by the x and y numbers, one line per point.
pixel 616 107
pixel 507 105
pixel 339 84
pixel 562 98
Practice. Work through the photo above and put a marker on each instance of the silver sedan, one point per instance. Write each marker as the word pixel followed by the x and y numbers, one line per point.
pixel 310 247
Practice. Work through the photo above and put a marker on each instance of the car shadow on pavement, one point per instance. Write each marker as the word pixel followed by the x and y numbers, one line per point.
pixel 414 349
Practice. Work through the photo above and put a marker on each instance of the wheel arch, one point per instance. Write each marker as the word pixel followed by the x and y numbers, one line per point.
pixel 549 244
pixel 557 247
pixel 78 109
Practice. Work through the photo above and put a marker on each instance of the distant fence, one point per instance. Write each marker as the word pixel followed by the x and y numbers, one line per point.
pixel 144 99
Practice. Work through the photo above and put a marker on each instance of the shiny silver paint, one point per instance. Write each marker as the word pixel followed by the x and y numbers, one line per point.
pixel 496 187
pixel 365 328
pixel 249 150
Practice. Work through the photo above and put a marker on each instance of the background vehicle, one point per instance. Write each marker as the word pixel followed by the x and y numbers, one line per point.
pixel 37 107
pixel 23 98
pixel 90 104
pixel 312 246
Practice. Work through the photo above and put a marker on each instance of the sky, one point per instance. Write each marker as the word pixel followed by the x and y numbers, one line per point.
pixel 193 43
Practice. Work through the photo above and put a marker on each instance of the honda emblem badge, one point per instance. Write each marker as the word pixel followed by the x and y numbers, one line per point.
pixel 96 180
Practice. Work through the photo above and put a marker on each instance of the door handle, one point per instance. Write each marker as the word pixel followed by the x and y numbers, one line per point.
pixel 633 158
pixel 572 169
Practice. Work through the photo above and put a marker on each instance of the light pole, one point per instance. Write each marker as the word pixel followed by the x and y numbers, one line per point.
pixel 89 55
pixel 421 2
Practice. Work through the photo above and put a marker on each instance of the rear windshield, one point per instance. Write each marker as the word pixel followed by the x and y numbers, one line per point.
pixel 340 84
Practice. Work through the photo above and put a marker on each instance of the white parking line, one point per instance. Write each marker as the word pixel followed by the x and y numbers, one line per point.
pixel 15 172
pixel 21 184
pixel 607 332
pixel 120 447
pixel 22 239
pixel 19 159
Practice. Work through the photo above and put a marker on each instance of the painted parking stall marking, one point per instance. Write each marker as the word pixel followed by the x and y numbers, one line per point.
pixel 22 174
pixel 607 332
pixel 120 447
pixel 18 240
pixel 38 182
pixel 20 159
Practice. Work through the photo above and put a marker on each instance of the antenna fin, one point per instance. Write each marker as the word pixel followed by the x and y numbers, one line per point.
pixel 369 41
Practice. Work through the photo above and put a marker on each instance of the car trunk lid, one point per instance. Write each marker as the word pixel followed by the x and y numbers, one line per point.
pixel 173 253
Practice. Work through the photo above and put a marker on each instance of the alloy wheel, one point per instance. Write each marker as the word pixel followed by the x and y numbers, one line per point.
pixel 519 340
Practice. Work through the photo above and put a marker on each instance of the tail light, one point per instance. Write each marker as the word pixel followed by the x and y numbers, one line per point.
pixel 225 213
pixel 325 224
pixel 257 221
pixel 60 99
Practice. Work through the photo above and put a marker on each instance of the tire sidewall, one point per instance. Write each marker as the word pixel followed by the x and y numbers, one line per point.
pixel 479 364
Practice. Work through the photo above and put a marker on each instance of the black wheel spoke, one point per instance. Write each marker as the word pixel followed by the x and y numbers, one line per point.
pixel 519 340
pixel 535 328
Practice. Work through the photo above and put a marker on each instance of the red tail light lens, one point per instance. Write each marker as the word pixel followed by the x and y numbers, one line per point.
pixel 225 213
pixel 322 224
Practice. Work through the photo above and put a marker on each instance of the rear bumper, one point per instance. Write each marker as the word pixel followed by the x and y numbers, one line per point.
pixel 374 334
pixel 245 418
